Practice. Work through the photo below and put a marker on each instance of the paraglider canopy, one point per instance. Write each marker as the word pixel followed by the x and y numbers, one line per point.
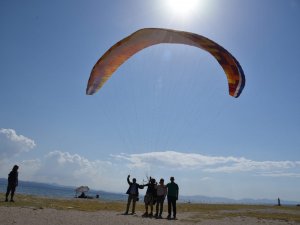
pixel 141 39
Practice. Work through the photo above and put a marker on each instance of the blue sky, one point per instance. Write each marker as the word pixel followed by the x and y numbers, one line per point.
pixel 166 111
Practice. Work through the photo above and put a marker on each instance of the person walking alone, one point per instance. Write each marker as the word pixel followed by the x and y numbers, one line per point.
pixel 12 183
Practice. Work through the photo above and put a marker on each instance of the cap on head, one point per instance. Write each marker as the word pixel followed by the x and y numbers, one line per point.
pixel 172 178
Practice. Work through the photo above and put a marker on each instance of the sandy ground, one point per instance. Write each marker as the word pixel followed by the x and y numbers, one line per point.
pixel 33 216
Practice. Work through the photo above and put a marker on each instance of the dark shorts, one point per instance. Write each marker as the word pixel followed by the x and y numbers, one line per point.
pixel 149 199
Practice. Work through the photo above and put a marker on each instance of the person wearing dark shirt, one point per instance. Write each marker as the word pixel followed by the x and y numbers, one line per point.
pixel 133 194
pixel 173 191
pixel 150 197
pixel 12 183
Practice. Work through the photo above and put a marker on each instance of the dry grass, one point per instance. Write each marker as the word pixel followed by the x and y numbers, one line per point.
pixel 219 211
pixel 64 204
pixel 197 212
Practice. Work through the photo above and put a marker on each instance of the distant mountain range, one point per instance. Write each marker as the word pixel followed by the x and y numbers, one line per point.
pixel 187 199
pixel 33 183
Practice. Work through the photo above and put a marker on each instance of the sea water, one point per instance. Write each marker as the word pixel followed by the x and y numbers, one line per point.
pixel 57 191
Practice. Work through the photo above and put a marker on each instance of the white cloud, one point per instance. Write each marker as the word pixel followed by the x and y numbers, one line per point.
pixel 174 159
pixel 211 164
pixel 72 169
pixel 206 179
pixel 13 144
pixel 281 174
pixel 246 165
pixel 28 168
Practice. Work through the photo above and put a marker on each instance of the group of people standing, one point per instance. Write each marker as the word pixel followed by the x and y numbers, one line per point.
pixel 155 195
